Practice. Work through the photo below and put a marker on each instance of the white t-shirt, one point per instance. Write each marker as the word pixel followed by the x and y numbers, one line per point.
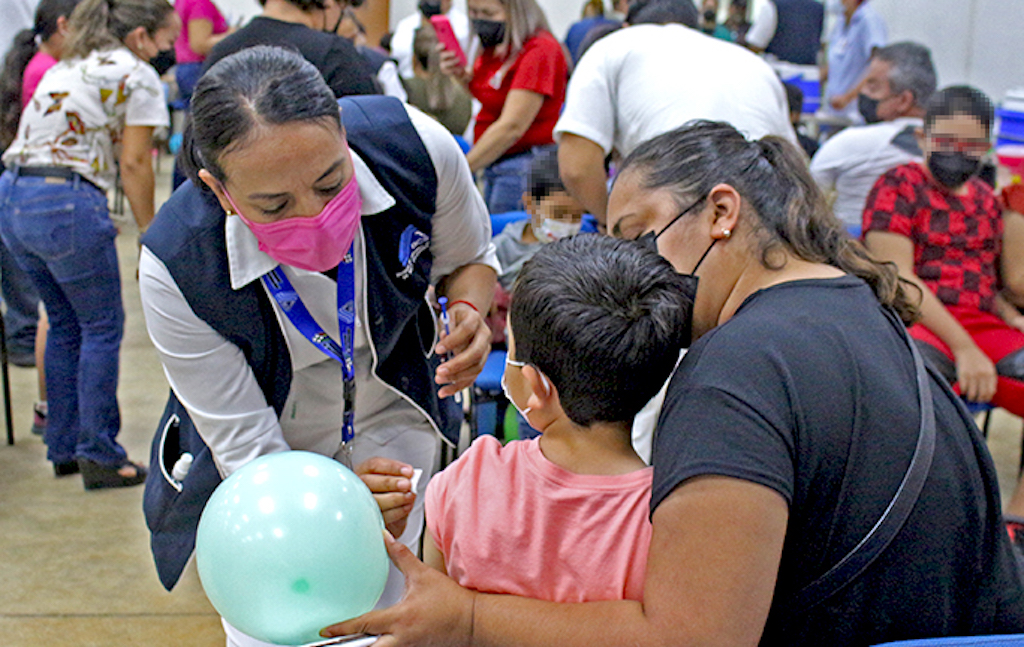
pixel 78 113
pixel 645 80
pixel 762 30
pixel 401 40
pixel 852 161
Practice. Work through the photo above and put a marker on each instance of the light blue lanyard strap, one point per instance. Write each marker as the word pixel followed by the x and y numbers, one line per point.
pixel 288 298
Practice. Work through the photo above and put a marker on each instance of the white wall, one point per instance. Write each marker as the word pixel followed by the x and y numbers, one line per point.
pixel 980 42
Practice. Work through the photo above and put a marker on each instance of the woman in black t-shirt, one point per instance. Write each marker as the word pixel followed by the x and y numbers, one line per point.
pixel 785 434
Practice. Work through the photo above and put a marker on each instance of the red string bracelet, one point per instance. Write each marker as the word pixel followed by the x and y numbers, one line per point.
pixel 451 303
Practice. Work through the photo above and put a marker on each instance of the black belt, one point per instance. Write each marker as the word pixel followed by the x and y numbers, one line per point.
pixel 52 171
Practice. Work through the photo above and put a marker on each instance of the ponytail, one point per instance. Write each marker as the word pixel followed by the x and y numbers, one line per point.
pixel 22 51
pixel 810 231
pixel 789 212
pixel 98 25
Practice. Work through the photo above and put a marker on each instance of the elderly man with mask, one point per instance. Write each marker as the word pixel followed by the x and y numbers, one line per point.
pixel 900 80
pixel 401 41
pixel 630 86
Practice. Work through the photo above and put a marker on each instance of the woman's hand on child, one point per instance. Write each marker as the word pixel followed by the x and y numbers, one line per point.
pixel 390 481
pixel 434 612
pixel 469 342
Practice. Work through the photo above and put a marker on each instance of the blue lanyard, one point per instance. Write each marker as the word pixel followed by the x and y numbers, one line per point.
pixel 286 296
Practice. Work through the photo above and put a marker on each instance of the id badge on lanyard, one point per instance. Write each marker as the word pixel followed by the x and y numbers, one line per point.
pixel 287 298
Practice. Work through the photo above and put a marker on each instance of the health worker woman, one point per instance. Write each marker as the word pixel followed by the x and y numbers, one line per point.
pixel 285 289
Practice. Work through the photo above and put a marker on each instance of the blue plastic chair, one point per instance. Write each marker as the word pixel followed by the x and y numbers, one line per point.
pixel 463 144
pixel 501 220
pixel 1015 640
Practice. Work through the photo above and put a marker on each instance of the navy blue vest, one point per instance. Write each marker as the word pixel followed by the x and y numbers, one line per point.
pixel 188 237
pixel 798 33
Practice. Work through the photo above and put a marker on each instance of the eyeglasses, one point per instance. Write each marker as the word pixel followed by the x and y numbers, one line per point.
pixel 947 144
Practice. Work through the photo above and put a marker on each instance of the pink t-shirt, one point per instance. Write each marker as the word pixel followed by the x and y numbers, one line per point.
pixel 34 72
pixel 508 520
pixel 195 10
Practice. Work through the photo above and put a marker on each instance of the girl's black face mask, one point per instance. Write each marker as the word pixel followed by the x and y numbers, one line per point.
pixel 430 9
pixel 953 169
pixel 491 32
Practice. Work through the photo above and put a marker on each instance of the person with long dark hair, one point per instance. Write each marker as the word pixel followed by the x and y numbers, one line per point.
pixel 814 482
pixel 307 220
pixel 102 96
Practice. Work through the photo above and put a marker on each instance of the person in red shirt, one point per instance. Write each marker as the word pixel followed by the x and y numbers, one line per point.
pixel 519 78
pixel 943 228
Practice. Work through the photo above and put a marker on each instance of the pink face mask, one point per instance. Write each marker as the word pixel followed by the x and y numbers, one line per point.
pixel 317 243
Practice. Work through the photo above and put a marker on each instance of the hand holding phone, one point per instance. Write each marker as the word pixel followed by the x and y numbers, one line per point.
pixel 446 36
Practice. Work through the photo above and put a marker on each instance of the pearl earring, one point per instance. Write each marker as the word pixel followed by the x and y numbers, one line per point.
pixel 726 232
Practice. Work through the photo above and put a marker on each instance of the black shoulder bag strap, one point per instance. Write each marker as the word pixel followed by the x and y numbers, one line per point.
pixel 895 515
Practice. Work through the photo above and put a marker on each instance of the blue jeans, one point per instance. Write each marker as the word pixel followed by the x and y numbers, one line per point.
pixel 505 182
pixel 21 317
pixel 60 233
pixel 187 75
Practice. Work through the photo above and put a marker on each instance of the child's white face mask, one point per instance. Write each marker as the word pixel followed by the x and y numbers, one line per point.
pixel 508 396
pixel 551 230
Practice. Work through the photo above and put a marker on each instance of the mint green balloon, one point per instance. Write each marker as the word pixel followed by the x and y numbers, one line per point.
pixel 289 544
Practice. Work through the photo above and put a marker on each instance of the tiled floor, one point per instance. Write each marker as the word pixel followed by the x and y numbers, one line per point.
pixel 75 567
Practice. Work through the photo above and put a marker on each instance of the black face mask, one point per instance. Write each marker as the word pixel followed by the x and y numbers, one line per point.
pixel 491 32
pixel 952 169
pixel 650 240
pixel 709 16
pixel 868 108
pixel 430 9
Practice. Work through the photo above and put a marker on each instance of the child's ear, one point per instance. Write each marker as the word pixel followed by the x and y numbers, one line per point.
pixel 543 392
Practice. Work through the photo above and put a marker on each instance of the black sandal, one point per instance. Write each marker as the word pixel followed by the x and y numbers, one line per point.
pixel 97 476
pixel 65 469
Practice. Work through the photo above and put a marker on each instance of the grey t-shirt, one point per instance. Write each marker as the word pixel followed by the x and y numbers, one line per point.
pixel 513 252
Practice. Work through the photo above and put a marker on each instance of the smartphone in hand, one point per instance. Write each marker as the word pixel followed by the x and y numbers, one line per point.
pixel 446 36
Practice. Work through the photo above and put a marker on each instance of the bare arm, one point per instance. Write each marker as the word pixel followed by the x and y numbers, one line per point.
pixel 975 372
pixel 201 38
pixel 1009 312
pixel 432 555
pixel 841 101
pixel 713 563
pixel 581 165
pixel 520 109
pixel 1013 257
pixel 137 172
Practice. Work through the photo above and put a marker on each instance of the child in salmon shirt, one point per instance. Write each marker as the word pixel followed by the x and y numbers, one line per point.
pixel 595 328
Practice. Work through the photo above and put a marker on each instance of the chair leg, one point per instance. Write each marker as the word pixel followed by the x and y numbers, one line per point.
pixel 1020 469
pixel 985 425
pixel 5 376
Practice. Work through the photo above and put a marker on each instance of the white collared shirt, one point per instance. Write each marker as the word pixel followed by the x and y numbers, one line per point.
pixel 852 160
pixel 210 375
